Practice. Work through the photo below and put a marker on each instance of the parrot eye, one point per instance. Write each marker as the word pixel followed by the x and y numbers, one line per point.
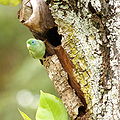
pixel 33 42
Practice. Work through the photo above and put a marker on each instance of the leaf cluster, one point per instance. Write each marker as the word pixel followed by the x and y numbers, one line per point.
pixel 50 108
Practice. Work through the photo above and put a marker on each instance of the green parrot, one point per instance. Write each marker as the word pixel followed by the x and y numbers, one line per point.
pixel 36 48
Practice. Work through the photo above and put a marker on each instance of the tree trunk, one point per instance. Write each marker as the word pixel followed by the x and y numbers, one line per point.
pixel 84 63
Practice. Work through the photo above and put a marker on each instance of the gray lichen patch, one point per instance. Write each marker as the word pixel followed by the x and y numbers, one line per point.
pixel 82 38
pixel 80 41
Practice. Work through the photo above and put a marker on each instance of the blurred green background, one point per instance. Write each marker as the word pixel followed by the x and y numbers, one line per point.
pixel 21 77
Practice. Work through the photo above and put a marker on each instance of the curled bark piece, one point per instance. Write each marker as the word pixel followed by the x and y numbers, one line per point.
pixel 69 67
pixel 35 14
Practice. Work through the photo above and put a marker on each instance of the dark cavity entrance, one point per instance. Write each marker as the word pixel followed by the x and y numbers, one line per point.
pixel 53 37
pixel 81 112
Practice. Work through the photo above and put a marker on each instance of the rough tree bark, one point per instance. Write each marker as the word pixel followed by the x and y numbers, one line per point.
pixel 84 63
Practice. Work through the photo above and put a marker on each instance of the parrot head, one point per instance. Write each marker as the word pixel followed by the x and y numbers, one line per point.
pixel 32 44
pixel 36 48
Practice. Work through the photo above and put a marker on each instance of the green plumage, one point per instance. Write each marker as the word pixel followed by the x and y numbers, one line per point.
pixel 36 48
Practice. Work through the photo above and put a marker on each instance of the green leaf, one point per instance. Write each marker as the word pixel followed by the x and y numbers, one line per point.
pixel 25 117
pixel 10 2
pixel 50 108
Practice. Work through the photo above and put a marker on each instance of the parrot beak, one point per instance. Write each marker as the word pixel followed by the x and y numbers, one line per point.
pixel 28 45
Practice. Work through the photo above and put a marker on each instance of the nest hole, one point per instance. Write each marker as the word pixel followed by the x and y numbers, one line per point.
pixel 53 37
pixel 81 111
